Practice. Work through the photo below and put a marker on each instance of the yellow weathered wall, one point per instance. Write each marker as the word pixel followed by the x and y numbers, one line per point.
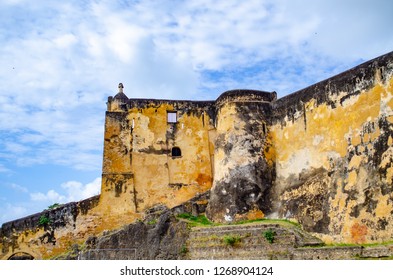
pixel 117 190
pixel 78 224
pixel 160 178
pixel 329 163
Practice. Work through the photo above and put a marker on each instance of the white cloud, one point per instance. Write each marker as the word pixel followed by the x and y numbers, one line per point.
pixel 4 169
pixel 65 41
pixel 18 188
pixel 77 191
pixel 13 2
pixel 51 196
pixel 16 148
pixel 9 212
pixel 345 30
pixel 74 191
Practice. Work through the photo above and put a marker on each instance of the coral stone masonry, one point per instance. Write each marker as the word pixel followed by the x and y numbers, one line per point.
pixel 322 157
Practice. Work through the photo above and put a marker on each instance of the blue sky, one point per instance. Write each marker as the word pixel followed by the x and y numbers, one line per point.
pixel 60 60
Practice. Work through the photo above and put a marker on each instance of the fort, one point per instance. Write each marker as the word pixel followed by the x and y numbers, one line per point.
pixel 321 157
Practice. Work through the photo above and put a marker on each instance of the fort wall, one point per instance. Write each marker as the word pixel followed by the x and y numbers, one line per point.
pixel 333 155
pixel 242 173
pixel 163 147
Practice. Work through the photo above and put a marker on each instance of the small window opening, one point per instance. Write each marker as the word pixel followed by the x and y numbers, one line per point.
pixel 176 152
pixel 172 117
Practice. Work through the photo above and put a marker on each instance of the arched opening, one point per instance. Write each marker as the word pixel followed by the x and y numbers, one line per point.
pixel 176 152
pixel 21 256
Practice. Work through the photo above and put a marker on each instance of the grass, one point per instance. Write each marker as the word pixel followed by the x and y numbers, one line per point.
pixel 386 243
pixel 378 244
pixel 370 258
pixel 152 222
pixel 200 220
pixel 231 240
pixel 247 222
pixel 282 222
pixel 341 245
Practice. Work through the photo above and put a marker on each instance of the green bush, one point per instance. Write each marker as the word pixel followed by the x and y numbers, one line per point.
pixel 53 206
pixel 184 250
pixel 269 235
pixel 44 220
pixel 231 240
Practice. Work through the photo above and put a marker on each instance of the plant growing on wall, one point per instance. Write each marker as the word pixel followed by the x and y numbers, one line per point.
pixel 53 206
pixel 152 222
pixel 195 220
pixel 44 220
pixel 269 235
pixel 231 240
pixel 184 249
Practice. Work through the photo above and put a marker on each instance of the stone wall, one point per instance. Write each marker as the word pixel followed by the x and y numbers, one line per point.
pixel 333 153
pixel 140 142
pixel 162 237
pixel 48 232
pixel 242 173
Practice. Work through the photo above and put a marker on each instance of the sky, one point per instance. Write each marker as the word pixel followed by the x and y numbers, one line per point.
pixel 60 60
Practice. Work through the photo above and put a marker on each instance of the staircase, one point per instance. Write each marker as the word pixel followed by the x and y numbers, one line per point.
pixel 246 242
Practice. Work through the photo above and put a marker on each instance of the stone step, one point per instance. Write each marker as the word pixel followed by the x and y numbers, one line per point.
pixel 209 242
pixel 255 231
pixel 239 230
pixel 239 227
pixel 244 242
pixel 243 238
pixel 255 248
pixel 215 253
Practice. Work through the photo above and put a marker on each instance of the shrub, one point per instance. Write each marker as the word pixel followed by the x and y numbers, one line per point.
pixel 184 249
pixel 44 220
pixel 269 235
pixel 53 206
pixel 231 240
